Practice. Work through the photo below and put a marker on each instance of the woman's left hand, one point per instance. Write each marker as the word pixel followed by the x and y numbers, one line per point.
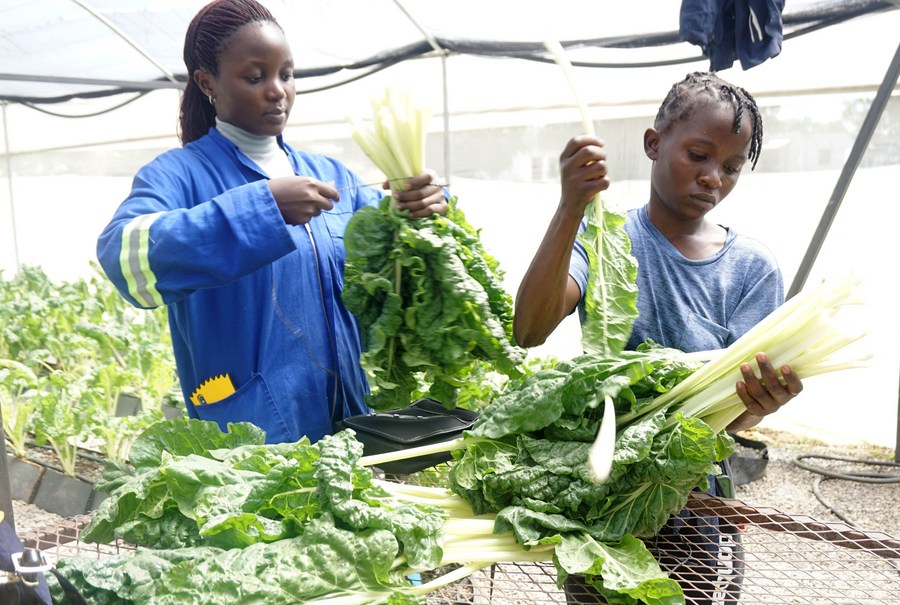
pixel 422 195
pixel 765 394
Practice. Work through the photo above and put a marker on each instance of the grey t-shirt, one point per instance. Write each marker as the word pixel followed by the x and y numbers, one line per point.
pixel 693 305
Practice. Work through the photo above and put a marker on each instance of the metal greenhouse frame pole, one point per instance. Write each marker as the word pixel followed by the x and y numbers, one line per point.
pixel 432 41
pixel 5 491
pixel 850 166
pixel 859 147
pixel 6 506
pixel 12 205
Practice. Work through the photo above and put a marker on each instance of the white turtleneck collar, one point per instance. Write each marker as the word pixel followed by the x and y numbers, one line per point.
pixel 262 149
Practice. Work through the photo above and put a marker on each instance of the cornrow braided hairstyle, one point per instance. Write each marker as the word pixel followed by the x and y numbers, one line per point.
pixel 206 39
pixel 685 96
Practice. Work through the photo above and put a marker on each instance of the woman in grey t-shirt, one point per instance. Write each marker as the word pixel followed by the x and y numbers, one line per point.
pixel 700 285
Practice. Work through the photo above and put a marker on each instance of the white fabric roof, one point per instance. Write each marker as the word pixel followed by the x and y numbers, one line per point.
pixel 50 49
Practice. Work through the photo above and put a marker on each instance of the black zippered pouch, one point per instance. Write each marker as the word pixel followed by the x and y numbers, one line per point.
pixel 425 422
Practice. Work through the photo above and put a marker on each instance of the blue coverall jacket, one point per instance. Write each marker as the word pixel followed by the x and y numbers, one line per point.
pixel 247 295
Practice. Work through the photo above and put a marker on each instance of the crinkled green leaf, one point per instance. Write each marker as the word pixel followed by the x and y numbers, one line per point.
pixel 325 561
pixel 243 496
pixel 611 298
pixel 353 499
pixel 430 302
pixel 120 579
pixel 197 437
pixel 622 569
pixel 657 460
pixel 572 387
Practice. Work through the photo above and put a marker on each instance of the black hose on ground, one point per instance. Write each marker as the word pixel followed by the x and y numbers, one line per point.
pixel 859 476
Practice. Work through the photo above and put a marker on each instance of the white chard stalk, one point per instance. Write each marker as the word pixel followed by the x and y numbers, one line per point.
pixel 600 456
pixel 395 138
pixel 806 333
pixel 587 125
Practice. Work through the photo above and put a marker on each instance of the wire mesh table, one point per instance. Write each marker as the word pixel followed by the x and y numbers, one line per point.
pixel 787 559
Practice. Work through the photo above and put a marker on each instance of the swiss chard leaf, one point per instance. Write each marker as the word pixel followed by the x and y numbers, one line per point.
pixel 326 561
pixel 352 498
pixel 625 568
pixel 121 579
pixel 611 296
pixel 183 436
pixel 572 388
pixel 235 497
pixel 657 460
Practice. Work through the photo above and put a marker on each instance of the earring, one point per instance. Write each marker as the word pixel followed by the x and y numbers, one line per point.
pixel 212 101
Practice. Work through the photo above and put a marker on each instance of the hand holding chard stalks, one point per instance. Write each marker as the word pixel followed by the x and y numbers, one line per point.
pixel 395 142
pixel 395 138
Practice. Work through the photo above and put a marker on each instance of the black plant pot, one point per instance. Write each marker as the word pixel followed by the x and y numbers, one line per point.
pixel 23 478
pixel 170 411
pixel 51 490
pixel 63 495
pixel 128 405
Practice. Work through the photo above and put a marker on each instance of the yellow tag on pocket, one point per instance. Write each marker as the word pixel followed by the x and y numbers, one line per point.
pixel 215 389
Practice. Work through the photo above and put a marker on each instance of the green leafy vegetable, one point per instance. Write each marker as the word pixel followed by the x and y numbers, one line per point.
pixel 325 562
pixel 84 346
pixel 192 485
pixel 428 296
pixel 547 428
pixel 610 300
pixel 17 393
pixel 430 302
pixel 347 538
pixel 526 459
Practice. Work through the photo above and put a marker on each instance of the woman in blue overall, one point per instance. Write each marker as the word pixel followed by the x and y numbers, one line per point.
pixel 240 236
pixel 700 285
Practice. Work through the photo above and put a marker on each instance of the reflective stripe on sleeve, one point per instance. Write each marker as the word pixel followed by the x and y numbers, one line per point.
pixel 135 261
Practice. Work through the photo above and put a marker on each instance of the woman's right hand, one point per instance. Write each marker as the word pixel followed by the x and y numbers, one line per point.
pixel 300 198
pixel 582 169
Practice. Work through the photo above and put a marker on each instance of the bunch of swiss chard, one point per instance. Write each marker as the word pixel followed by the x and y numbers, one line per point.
pixel 530 460
pixel 526 460
pixel 430 302
pixel 428 297
pixel 226 518
pixel 533 470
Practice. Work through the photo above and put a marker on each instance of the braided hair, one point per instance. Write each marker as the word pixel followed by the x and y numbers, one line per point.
pixel 206 39
pixel 685 96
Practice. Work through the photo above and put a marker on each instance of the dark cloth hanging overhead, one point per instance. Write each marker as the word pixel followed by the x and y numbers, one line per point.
pixel 746 30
